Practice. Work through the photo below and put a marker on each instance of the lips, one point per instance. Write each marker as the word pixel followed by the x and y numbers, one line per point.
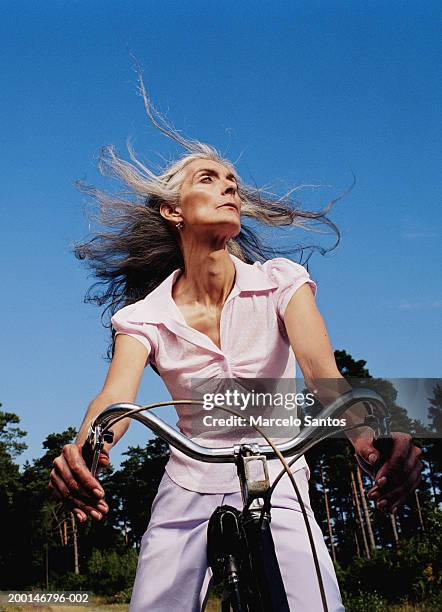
pixel 231 205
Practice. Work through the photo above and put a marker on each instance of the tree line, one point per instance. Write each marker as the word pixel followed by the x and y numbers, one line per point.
pixel 379 557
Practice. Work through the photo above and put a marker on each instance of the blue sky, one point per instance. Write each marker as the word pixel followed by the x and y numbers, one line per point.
pixel 304 92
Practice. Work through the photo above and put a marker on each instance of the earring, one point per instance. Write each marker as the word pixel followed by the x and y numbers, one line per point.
pixel 180 225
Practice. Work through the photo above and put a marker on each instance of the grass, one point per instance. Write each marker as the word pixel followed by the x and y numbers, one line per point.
pixel 99 604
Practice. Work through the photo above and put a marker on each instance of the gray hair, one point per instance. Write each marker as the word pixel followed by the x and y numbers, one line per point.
pixel 135 248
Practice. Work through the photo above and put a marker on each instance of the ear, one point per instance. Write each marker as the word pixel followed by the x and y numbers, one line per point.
pixel 171 214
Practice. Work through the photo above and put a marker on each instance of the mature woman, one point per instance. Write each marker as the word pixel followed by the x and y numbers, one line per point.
pixel 193 294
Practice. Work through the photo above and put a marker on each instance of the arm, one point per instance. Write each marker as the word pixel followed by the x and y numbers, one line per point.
pixel 310 342
pixel 121 384
pixel 400 474
pixel 70 477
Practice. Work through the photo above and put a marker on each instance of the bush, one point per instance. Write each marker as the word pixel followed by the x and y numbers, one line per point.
pixel 364 602
pixel 109 573
pixel 122 597
pixel 411 573
pixel 70 582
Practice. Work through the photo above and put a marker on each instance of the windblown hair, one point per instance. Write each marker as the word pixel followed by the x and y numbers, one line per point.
pixel 135 248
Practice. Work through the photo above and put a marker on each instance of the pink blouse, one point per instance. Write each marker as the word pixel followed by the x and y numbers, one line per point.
pixel 254 344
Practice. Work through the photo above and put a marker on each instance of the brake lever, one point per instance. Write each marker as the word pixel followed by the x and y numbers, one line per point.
pixel 382 441
pixel 384 445
pixel 94 445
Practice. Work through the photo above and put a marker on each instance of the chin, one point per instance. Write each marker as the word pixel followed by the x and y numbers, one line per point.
pixel 225 229
pixel 234 231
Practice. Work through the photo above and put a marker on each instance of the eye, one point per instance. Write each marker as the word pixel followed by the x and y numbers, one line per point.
pixel 204 178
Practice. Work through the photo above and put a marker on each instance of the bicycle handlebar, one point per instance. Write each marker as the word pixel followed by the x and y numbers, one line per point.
pixel 378 419
pixel 307 438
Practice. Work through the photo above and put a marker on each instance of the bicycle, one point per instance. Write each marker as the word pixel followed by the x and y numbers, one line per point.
pixel 240 547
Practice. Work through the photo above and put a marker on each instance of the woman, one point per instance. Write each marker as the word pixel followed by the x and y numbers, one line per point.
pixel 188 300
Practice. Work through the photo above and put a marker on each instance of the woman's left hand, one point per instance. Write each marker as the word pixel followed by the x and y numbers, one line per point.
pixel 399 476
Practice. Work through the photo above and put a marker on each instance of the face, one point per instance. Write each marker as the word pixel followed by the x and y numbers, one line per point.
pixel 209 200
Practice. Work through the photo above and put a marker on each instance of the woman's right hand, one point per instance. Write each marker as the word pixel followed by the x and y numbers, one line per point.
pixel 72 482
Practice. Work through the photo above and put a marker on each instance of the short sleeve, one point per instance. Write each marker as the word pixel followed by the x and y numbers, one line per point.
pixel 122 324
pixel 289 276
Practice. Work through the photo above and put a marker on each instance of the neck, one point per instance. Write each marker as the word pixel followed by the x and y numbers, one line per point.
pixel 208 277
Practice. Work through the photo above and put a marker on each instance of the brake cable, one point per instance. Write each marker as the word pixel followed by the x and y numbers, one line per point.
pixel 299 455
pixel 99 438
pixel 286 469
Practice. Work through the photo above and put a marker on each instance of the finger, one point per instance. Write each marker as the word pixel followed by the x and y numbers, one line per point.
pixel 401 500
pixel 395 504
pixel 79 504
pixel 76 487
pixel 400 493
pixel 381 483
pixel 384 445
pixel 80 471
pixel 81 516
pixel 385 486
pixel 72 500
pixel 102 506
pixel 103 459
pixel 54 492
pixel 367 451
pixel 62 470
pixel 99 506
pixel 59 485
pixel 64 493
pixel 88 482
pixel 394 465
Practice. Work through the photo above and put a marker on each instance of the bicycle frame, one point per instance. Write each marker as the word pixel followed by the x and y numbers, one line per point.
pixel 248 543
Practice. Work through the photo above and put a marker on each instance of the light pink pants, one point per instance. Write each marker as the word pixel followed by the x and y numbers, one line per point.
pixel 172 571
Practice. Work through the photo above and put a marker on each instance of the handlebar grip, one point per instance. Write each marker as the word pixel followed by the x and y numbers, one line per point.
pixel 384 445
pixel 88 453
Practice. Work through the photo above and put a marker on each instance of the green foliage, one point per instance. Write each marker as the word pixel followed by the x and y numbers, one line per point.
pixel 138 478
pixel 10 436
pixel 364 602
pixel 435 411
pixel 34 516
pixel 122 597
pixel 434 603
pixel 10 485
pixel 10 448
pixel 69 581
pixel 33 524
pixel 414 571
pixel 349 366
pixel 111 572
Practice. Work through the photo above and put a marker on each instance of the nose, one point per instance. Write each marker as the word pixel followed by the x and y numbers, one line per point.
pixel 229 188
